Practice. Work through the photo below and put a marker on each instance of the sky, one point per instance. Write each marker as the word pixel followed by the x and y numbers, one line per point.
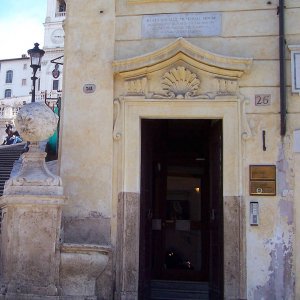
pixel 21 25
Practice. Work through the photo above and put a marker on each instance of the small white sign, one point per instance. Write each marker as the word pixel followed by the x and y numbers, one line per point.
pixel 89 88
pixel 295 67
pixel 262 99
pixel 297 141
pixel 296 71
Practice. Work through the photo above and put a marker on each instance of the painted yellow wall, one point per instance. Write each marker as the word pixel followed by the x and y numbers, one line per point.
pixel 92 163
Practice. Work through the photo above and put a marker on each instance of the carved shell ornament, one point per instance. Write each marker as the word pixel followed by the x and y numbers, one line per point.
pixel 180 83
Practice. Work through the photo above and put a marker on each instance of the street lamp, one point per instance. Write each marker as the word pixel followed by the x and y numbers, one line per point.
pixel 36 55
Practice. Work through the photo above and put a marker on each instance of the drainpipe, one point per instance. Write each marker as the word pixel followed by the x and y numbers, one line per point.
pixel 282 69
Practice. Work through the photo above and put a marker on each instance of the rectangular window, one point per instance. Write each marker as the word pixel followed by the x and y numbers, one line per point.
pixel 7 93
pixel 24 82
pixel 25 67
pixel 55 85
pixel 9 76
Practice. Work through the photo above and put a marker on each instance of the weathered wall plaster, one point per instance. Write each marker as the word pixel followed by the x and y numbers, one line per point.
pixel 271 263
pixel 86 230
pixel 95 176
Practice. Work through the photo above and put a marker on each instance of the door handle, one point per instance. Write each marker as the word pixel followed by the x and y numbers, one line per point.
pixel 149 214
pixel 212 215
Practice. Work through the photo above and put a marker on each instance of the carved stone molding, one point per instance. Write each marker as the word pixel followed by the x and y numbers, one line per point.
pixel 182 50
pixel 227 86
pixel 179 71
pixel 179 83
pixel 33 176
pixel 246 131
pixel 136 87
pixel 116 130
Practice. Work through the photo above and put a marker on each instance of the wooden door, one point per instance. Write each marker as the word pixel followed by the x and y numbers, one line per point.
pixel 152 168
pixel 161 160
pixel 216 211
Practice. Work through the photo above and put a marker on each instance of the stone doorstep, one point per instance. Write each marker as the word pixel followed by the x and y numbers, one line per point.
pixel 35 297
pixel 126 296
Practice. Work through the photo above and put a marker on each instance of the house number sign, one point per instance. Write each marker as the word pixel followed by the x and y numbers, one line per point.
pixel 262 180
pixel 262 99
pixel 89 88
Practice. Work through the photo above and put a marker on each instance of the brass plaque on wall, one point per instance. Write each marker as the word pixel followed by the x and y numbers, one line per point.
pixel 263 172
pixel 263 188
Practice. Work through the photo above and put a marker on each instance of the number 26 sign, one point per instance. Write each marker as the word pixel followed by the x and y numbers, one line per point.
pixel 262 99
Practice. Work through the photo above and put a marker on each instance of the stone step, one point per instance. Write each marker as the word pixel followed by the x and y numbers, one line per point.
pixel 156 295
pixel 176 290
pixel 8 160
pixel 185 297
pixel 191 285
pixel 8 156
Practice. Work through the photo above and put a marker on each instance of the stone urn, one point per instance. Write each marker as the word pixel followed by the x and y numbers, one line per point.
pixel 35 122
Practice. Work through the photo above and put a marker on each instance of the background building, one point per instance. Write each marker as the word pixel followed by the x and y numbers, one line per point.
pixel 15 73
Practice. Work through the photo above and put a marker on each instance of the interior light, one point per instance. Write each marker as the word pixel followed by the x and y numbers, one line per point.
pixel 197 189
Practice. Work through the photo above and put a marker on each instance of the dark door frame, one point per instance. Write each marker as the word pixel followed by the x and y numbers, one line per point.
pixel 150 132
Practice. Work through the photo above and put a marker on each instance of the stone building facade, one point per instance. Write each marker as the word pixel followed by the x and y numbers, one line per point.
pixel 179 149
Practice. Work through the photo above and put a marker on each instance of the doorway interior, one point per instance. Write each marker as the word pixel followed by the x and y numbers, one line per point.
pixel 181 209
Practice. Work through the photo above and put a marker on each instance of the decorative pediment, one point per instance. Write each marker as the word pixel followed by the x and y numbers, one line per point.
pixel 180 71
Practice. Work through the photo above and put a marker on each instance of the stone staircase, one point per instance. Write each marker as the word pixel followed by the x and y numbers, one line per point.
pixel 8 155
pixel 179 290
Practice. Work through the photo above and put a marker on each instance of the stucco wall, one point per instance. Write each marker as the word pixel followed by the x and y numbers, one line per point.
pixel 86 151
pixel 104 31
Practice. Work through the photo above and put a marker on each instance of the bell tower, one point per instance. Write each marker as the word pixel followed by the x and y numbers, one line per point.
pixel 51 74
pixel 54 34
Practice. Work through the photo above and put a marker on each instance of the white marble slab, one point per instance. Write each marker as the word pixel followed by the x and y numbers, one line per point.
pixel 181 25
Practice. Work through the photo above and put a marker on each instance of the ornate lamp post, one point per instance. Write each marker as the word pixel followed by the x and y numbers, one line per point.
pixel 36 55
pixel 35 121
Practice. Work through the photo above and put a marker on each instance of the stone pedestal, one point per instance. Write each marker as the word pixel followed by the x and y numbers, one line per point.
pixel 30 245
pixel 31 211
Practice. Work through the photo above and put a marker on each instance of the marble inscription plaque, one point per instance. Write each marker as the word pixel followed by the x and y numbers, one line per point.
pixel 181 25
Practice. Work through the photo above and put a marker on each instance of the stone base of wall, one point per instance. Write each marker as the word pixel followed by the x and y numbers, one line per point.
pixel 35 297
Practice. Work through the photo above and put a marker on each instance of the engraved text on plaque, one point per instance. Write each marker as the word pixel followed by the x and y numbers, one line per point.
pixel 181 25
